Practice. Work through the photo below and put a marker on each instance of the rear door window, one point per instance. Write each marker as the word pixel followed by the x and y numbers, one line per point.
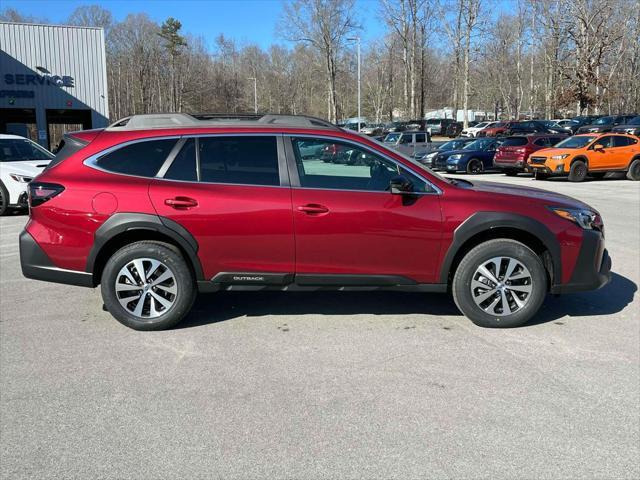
pixel 620 141
pixel 142 159
pixel 183 166
pixel 514 142
pixel 246 160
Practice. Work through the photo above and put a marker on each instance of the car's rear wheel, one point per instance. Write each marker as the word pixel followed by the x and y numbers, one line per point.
pixel 538 175
pixel 148 286
pixel 511 173
pixel 500 283
pixel 634 170
pixel 578 171
pixel 474 166
pixel 4 200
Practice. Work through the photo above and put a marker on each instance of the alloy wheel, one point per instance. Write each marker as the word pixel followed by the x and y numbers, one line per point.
pixel 501 286
pixel 146 288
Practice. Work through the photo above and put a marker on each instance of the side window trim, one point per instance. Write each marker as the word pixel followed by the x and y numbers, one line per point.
pixel 295 178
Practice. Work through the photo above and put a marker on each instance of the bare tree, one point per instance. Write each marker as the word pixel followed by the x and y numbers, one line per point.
pixel 325 25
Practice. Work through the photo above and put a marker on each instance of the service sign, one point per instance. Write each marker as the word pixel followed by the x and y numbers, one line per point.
pixel 35 79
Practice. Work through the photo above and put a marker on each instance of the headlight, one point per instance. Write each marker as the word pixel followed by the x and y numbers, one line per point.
pixel 20 178
pixel 560 157
pixel 586 219
pixel 455 157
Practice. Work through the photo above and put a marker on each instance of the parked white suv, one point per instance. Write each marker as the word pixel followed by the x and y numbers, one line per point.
pixel 20 161
pixel 473 131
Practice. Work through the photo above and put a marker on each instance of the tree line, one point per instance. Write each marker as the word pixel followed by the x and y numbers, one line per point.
pixel 540 58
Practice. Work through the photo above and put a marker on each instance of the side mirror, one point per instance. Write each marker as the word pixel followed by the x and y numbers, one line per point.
pixel 598 147
pixel 400 185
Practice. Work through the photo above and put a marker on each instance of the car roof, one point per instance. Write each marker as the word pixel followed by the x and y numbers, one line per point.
pixel 5 136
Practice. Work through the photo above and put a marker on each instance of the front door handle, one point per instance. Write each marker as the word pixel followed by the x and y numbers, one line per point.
pixel 313 209
pixel 181 203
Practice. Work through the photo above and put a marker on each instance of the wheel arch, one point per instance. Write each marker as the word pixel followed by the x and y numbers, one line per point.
pixel 484 226
pixel 580 158
pixel 124 228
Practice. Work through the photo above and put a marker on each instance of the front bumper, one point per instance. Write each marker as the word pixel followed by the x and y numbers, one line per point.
pixel 509 164
pixel 38 266
pixel 593 266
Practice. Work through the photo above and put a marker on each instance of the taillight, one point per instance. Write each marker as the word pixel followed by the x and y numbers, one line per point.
pixel 40 192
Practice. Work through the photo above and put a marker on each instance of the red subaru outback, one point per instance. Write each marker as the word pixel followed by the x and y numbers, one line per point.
pixel 155 208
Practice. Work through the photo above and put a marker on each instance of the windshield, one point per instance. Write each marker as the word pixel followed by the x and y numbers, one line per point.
pixel 453 145
pixel 433 121
pixel 392 137
pixel 481 125
pixel 576 142
pixel 20 149
pixel 603 121
pixel 479 144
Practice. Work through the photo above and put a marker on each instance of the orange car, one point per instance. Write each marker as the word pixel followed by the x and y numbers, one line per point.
pixel 589 154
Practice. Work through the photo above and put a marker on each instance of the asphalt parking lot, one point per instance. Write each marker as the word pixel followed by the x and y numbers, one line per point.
pixel 330 385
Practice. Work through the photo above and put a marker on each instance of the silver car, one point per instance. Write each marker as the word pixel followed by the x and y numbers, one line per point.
pixel 409 143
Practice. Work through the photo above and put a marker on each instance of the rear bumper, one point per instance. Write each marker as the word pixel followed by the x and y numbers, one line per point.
pixel 593 266
pixel 38 266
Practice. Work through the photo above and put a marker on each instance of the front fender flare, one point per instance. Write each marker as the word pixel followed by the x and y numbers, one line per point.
pixel 481 222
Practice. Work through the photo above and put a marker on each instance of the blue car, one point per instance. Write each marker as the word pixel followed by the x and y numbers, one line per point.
pixel 475 157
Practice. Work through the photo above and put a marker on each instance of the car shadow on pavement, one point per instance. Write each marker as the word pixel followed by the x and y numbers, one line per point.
pixel 612 298
pixel 222 306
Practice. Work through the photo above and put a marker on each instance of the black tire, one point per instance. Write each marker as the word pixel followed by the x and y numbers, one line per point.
pixel 578 171
pixel 474 166
pixel 4 200
pixel 511 173
pixel 634 170
pixel 538 175
pixel 182 282
pixel 485 252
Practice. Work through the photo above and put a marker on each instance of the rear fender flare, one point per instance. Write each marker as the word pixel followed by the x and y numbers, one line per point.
pixel 124 222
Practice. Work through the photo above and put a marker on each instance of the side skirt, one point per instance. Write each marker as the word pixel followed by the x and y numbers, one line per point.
pixel 257 281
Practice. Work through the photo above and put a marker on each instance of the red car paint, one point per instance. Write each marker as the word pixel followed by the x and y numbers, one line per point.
pixel 283 229
pixel 515 157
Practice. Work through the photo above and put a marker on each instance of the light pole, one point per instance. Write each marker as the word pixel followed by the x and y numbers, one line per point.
pixel 357 40
pixel 255 93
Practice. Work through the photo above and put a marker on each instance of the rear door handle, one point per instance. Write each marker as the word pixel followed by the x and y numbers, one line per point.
pixel 181 203
pixel 313 209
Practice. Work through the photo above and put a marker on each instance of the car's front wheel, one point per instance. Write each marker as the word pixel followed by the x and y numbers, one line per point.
pixel 148 285
pixel 500 283
pixel 578 171
pixel 474 166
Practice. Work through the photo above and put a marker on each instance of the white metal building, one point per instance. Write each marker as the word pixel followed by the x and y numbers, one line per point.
pixel 51 75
